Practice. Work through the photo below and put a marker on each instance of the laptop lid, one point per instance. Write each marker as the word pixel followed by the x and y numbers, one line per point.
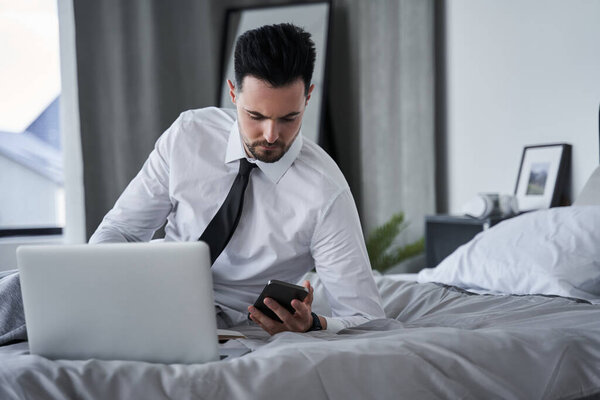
pixel 131 301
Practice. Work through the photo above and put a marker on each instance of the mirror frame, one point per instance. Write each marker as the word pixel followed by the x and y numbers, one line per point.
pixel 228 42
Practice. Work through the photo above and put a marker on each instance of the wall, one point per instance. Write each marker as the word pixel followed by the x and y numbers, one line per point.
pixel 518 72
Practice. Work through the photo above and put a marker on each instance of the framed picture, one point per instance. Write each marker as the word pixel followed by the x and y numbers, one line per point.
pixel 543 176
pixel 312 16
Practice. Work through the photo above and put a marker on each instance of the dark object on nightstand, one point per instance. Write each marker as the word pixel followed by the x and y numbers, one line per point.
pixel 445 233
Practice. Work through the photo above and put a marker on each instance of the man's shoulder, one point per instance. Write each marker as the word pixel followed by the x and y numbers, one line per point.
pixel 209 116
pixel 198 127
pixel 324 169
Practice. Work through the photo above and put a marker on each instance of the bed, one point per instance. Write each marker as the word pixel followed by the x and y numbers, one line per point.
pixel 513 314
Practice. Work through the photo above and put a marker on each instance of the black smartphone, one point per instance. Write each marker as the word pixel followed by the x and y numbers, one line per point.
pixel 281 292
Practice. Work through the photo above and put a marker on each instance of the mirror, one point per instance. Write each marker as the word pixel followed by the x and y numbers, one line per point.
pixel 313 18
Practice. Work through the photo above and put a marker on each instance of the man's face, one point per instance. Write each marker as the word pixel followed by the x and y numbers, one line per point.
pixel 269 118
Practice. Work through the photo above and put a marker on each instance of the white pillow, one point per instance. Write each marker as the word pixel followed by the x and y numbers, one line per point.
pixel 590 194
pixel 554 251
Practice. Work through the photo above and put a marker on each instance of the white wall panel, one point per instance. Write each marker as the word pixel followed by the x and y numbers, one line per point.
pixel 519 72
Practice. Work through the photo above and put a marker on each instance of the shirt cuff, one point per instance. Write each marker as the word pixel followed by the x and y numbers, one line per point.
pixel 334 325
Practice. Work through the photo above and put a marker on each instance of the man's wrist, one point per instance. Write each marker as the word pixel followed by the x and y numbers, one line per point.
pixel 323 322
pixel 317 323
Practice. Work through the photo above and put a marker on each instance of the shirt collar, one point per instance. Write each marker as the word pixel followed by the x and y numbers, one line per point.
pixel 273 171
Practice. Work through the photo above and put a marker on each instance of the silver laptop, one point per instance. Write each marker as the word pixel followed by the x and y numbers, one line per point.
pixel 133 301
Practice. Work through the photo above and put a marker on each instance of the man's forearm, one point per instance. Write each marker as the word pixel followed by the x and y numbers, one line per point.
pixel 109 234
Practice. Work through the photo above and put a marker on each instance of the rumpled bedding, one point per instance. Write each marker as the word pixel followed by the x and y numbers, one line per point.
pixel 12 319
pixel 437 342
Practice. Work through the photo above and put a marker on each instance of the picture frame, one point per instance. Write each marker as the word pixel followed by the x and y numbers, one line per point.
pixel 543 176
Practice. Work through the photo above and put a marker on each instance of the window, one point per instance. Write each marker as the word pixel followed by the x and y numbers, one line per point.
pixel 31 167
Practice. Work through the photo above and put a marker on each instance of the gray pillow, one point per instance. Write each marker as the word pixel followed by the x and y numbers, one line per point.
pixel 590 195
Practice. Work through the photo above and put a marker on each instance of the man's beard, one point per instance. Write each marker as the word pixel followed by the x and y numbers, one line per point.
pixel 274 152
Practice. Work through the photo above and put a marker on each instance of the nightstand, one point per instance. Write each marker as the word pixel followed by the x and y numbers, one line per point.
pixel 445 233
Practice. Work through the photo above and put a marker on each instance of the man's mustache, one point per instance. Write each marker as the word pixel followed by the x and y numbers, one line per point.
pixel 277 143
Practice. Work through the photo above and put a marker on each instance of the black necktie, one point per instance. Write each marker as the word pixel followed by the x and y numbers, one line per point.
pixel 221 228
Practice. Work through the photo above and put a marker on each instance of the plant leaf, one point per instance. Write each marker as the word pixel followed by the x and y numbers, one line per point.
pixel 380 240
pixel 398 255
pixel 382 237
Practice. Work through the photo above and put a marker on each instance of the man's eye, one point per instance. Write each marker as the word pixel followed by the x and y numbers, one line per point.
pixel 256 118
pixel 288 119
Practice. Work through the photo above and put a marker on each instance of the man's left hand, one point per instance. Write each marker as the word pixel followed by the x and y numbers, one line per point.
pixel 300 321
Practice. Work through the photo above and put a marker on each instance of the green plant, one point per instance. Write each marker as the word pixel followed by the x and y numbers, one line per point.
pixel 381 239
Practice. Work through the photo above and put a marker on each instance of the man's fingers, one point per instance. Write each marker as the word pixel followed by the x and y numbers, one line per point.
pixel 300 307
pixel 257 321
pixel 291 322
pixel 265 322
pixel 308 299
pixel 280 311
pixel 267 329
pixel 302 317
pixel 308 286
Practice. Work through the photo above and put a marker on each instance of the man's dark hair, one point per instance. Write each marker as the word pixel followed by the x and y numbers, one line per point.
pixel 277 54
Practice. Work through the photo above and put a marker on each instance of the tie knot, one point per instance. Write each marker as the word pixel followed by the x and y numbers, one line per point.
pixel 246 167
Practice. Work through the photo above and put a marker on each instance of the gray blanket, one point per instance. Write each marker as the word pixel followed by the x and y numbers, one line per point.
pixel 12 319
pixel 437 342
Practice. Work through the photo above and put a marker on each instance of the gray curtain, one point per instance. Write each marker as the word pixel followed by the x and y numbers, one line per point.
pixel 382 107
pixel 141 63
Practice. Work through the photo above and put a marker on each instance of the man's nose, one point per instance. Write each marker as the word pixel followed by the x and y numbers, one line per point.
pixel 270 131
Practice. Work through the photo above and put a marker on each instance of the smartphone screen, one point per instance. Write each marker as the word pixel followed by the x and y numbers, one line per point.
pixel 281 292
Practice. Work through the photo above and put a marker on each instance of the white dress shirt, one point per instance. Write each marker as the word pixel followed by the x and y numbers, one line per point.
pixel 298 214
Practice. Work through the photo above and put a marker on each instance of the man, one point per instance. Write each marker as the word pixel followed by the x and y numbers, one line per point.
pixel 298 212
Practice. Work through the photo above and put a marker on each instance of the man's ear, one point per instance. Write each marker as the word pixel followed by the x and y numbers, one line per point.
pixel 310 89
pixel 231 90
